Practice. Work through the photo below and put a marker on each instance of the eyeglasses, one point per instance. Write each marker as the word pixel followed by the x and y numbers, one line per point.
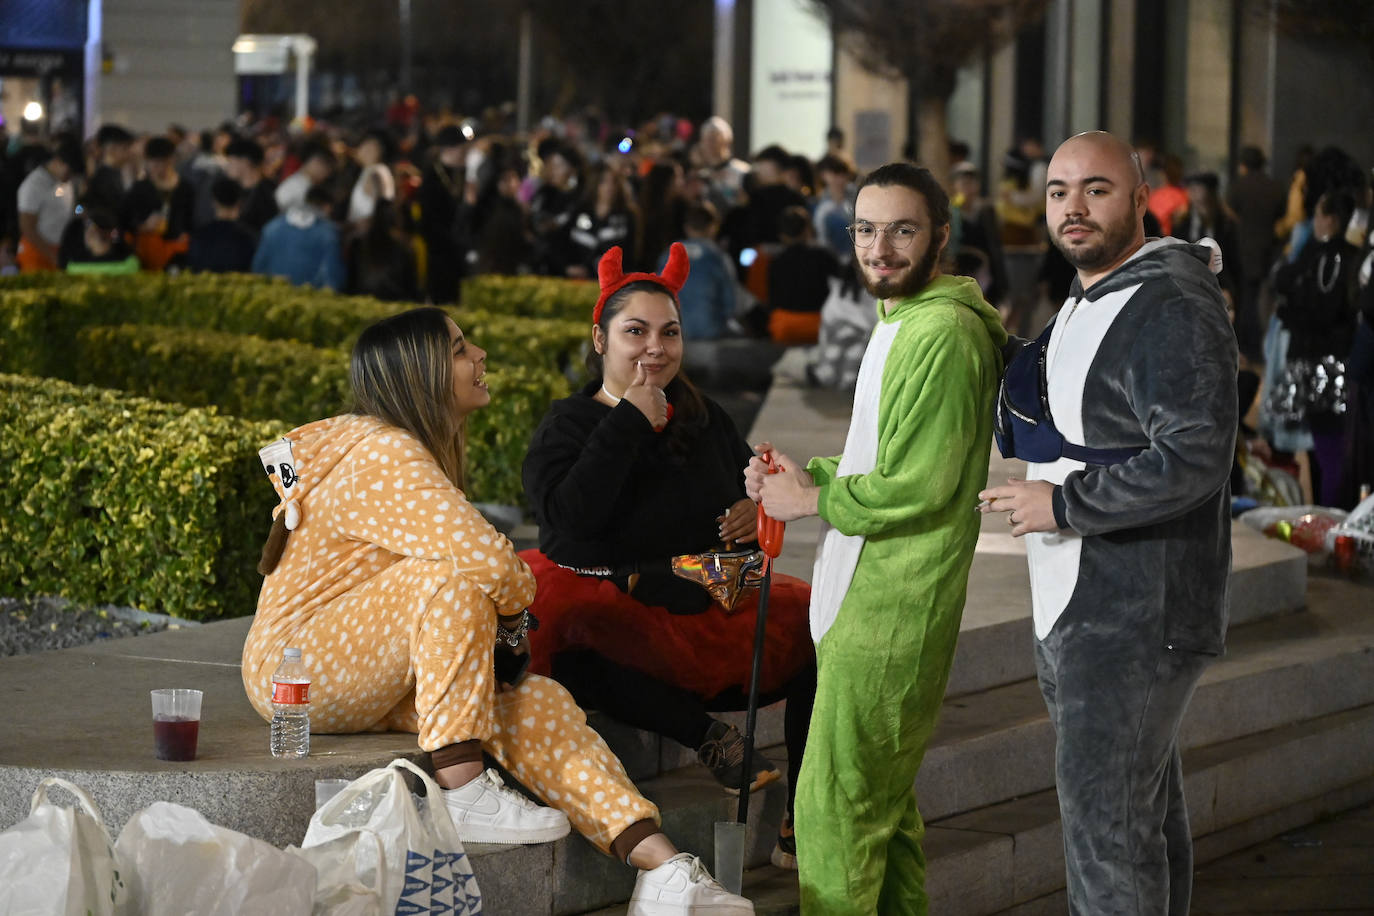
pixel 899 235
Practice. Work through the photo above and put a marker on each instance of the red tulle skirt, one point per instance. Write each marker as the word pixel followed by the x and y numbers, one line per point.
pixel 706 653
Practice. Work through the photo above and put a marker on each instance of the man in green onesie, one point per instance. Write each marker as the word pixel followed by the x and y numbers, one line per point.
pixel 892 566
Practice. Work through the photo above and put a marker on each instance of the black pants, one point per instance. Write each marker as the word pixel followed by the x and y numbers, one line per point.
pixel 1249 335
pixel 445 270
pixel 647 703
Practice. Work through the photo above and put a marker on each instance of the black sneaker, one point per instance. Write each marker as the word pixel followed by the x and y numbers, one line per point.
pixel 723 752
pixel 785 850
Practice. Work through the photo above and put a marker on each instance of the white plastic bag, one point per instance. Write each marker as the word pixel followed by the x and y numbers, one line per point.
pixel 422 867
pixel 181 864
pixel 341 882
pixel 59 861
pixel 847 320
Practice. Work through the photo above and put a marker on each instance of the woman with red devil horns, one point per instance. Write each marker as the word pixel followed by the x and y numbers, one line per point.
pixel 635 469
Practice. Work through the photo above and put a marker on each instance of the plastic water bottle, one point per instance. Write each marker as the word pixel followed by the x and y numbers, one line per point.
pixel 291 707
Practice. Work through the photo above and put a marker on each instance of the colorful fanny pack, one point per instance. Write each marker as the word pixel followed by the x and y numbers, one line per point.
pixel 725 574
pixel 1023 424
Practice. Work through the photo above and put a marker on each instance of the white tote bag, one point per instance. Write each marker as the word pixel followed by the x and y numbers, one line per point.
pixel 59 861
pixel 422 868
pixel 180 864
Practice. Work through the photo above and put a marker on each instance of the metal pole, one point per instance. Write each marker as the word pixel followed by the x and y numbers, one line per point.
pixel 723 87
pixel 303 46
pixel 751 715
pixel 524 87
pixel 406 46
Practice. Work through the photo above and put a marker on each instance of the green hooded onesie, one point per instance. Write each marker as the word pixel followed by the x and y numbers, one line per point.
pixel 888 592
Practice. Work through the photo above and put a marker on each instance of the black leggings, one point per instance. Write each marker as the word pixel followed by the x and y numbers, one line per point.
pixel 647 703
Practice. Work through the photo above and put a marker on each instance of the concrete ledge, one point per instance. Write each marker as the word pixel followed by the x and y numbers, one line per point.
pixel 1268 577
pixel 1335 751
pixel 572 876
pixel 84 714
pixel 998 743
pixel 990 745
pixel 691 803
pixel 1008 858
pixel 646 755
pixel 742 362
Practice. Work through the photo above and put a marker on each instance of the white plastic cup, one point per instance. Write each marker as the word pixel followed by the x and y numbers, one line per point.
pixel 325 789
pixel 730 838
pixel 176 723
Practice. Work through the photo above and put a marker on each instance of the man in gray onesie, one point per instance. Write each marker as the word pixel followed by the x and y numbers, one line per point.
pixel 1129 543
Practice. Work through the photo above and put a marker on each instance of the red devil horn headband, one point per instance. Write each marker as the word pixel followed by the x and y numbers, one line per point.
pixel 613 279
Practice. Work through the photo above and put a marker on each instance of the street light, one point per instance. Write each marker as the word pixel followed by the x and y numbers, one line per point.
pixel 33 111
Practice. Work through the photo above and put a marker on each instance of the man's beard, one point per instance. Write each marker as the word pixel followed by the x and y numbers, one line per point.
pixel 914 282
pixel 1116 238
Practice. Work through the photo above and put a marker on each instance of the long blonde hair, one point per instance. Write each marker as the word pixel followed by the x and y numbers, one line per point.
pixel 402 373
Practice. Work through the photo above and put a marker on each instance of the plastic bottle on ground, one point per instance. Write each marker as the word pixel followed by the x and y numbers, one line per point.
pixel 291 707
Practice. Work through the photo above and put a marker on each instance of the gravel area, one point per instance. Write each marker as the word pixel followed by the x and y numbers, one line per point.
pixel 30 625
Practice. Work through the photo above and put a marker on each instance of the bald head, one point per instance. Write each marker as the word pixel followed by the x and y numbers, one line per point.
pixel 1095 198
pixel 1107 145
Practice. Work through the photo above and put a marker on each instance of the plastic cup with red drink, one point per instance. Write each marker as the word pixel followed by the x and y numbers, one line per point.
pixel 176 723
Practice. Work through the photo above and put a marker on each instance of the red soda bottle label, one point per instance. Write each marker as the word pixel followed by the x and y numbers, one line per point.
pixel 290 694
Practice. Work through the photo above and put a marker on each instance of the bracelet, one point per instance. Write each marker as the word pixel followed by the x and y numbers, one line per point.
pixel 511 636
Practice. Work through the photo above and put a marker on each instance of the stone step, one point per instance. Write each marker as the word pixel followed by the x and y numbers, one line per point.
pixel 1008 858
pixel 995 638
pixel 998 744
pixel 1268 577
pixel 84 714
pixel 646 755
pixel 571 876
pixel 1238 792
pixel 989 746
pixel 1294 691
pixel 773 892
pixel 1273 697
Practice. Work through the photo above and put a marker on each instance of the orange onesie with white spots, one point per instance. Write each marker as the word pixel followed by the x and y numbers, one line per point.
pixel 390 584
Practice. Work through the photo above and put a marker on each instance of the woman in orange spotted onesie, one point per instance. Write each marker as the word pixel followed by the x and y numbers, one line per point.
pixel 396 590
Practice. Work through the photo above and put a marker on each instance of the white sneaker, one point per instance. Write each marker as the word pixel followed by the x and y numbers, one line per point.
pixel 682 887
pixel 485 811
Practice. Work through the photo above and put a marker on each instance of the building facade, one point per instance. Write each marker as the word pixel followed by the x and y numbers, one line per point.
pixel 140 63
pixel 1199 78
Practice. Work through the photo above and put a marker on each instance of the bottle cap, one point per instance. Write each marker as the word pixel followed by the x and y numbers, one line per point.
pixel 291 653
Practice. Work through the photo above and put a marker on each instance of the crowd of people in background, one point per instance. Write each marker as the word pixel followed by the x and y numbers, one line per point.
pixel 404 212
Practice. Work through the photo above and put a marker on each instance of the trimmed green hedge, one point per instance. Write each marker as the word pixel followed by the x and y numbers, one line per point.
pixel 499 434
pixel 129 501
pixel 236 303
pixel 278 380
pixel 241 375
pixel 537 297
pixel 270 307
pixel 39 327
pixel 122 498
pixel 518 340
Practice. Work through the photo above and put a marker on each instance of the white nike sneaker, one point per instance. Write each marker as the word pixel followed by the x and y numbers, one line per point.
pixel 485 811
pixel 683 887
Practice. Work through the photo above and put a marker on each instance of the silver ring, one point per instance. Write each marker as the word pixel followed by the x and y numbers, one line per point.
pixel 1011 519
